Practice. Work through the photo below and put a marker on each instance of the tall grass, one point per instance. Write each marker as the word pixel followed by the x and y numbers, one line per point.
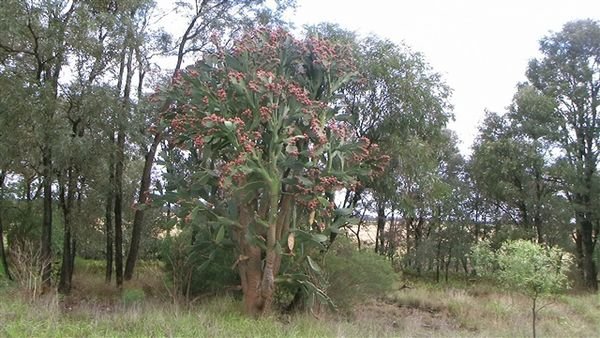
pixel 142 308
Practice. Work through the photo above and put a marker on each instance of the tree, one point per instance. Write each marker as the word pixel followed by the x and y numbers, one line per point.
pixel 400 103
pixel 36 49
pixel 205 18
pixel 261 122
pixel 3 259
pixel 512 165
pixel 526 267
pixel 569 73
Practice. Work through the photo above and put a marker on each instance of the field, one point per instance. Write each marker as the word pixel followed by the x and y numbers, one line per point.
pixel 145 308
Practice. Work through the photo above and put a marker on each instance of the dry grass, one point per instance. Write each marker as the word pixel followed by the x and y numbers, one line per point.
pixel 143 308
pixel 482 311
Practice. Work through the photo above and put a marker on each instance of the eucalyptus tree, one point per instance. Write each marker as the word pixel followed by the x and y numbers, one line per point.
pixel 512 164
pixel 60 57
pixel 206 21
pixel 397 101
pixel 270 151
pixel 568 72
pixel 35 45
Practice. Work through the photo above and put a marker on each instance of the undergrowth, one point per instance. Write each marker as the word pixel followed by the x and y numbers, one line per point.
pixel 143 308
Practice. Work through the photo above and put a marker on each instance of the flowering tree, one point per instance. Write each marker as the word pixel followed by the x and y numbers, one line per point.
pixel 270 147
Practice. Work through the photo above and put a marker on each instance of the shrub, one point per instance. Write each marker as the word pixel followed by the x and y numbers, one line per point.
pixel 525 267
pixel 198 268
pixel 354 276
pixel 131 296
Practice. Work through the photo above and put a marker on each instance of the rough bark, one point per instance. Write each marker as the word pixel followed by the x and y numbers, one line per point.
pixel 119 167
pixel 138 219
pixel 380 239
pixel 258 280
pixel 46 241
pixel 67 197
pixel 108 226
pixel 127 71
pixel 2 249
pixel 589 266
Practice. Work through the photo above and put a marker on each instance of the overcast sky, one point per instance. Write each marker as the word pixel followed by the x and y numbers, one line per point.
pixel 480 47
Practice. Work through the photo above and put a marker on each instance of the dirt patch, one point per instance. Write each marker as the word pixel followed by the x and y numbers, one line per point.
pixel 402 318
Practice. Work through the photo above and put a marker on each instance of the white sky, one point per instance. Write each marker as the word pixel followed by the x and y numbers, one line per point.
pixel 480 47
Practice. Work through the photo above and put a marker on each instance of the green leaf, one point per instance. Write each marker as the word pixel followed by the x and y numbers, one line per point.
pixel 343 211
pixel 220 235
pixel 313 265
pixel 320 238
pixel 305 181
pixel 343 117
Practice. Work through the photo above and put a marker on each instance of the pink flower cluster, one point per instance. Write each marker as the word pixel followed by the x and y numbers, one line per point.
pixel 339 129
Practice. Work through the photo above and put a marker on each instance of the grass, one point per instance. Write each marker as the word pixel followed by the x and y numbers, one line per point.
pixel 143 309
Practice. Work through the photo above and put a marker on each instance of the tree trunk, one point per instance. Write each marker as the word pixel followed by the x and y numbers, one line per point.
pixel 108 226
pixel 379 238
pixel 46 240
pixel 73 254
pixel 67 196
pixel 438 257
pixel 589 266
pixel 258 283
pixel 447 265
pixel 579 253
pixel 138 219
pixel 108 213
pixel 249 265
pixel 2 250
pixel 120 160
pixel 64 285
pixel 119 167
pixel 534 315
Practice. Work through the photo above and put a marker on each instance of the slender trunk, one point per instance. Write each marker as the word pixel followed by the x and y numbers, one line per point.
pixel 437 261
pixel 534 315
pixel 408 222
pixel 73 255
pixel 418 236
pixel 67 199
pixel 46 241
pixel 357 234
pixel 108 226
pixel 127 71
pixel 145 181
pixel 2 250
pixel 589 266
pixel 138 219
pixel 64 285
pixel 119 167
pixel 379 238
pixel 143 194
pixel 579 254
pixel 392 240
pixel 465 266
pixel 447 265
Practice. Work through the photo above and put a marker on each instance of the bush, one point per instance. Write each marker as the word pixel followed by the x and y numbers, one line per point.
pixel 198 268
pixel 131 296
pixel 525 267
pixel 354 276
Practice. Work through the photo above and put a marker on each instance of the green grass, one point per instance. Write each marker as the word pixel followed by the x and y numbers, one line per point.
pixel 143 309
pixel 217 318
